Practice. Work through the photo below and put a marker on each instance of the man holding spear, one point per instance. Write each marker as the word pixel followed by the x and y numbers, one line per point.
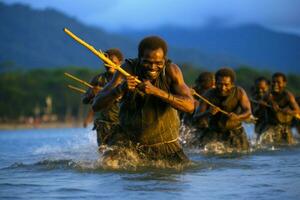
pixel 107 121
pixel 148 111
pixel 281 108
pixel 227 106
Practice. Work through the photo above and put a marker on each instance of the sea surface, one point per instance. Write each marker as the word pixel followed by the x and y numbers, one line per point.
pixel 65 164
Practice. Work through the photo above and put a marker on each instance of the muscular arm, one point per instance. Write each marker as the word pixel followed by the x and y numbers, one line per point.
pixel 109 93
pixel 245 105
pixel 201 111
pixel 180 98
pixel 87 98
pixel 294 107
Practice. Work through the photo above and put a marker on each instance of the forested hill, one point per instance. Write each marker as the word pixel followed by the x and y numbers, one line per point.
pixel 249 44
pixel 35 39
pixel 32 38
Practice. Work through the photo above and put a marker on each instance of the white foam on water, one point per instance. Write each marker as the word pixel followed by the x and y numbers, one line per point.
pixel 187 136
pixel 82 145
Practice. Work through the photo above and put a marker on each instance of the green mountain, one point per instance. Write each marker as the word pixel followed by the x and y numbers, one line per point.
pixel 249 44
pixel 35 39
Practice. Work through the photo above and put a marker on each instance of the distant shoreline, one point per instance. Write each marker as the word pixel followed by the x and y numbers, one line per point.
pixel 16 126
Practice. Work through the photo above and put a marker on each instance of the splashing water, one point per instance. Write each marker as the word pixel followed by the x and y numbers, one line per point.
pixel 66 164
pixel 80 151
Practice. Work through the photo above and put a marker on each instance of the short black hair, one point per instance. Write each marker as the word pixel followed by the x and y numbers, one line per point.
pixel 279 74
pixel 152 43
pixel 261 78
pixel 116 52
pixel 205 78
pixel 226 71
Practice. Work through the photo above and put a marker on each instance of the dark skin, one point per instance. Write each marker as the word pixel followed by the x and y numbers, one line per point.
pixel 224 86
pixel 152 63
pixel 110 70
pixel 261 88
pixel 89 118
pixel 278 86
pixel 95 90
pixel 298 124
pixel 204 86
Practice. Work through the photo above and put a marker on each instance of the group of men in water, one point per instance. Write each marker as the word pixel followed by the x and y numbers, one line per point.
pixel 142 111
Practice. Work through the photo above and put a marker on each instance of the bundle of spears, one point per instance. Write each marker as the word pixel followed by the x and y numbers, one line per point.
pixel 100 55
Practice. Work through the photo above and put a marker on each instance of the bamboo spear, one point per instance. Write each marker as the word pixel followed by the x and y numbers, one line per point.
pixel 257 102
pixel 79 80
pixel 76 89
pixel 208 102
pixel 251 119
pixel 99 53
pixel 297 116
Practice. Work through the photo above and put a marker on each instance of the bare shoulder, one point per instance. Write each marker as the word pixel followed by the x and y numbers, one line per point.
pixel 290 95
pixel 174 72
pixel 172 68
pixel 241 90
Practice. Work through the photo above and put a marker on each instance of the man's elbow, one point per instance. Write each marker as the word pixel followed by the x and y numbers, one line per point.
pixel 190 107
pixel 248 113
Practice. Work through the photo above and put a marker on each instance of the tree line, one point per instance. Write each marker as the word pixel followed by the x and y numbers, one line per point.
pixel 22 91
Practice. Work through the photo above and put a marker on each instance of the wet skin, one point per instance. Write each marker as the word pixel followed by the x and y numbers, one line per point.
pixel 224 85
pixel 262 88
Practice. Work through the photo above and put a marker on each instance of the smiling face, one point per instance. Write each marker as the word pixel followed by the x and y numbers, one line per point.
pixel 278 84
pixel 224 85
pixel 152 63
pixel 262 88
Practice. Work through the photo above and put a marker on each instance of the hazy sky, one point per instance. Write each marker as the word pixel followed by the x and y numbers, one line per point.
pixel 114 15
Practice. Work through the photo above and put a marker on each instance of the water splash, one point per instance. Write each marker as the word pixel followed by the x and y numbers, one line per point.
pixel 188 138
pixel 81 153
pixel 81 146
pixel 124 158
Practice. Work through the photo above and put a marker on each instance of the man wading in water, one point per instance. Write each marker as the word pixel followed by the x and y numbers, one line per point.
pixel 148 115
pixel 225 129
pixel 259 92
pixel 282 107
pixel 204 82
pixel 192 130
pixel 106 121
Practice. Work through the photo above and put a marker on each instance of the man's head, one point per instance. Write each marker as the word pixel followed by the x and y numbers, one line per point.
pixel 261 85
pixel 152 55
pixel 205 80
pixel 114 55
pixel 225 78
pixel 279 82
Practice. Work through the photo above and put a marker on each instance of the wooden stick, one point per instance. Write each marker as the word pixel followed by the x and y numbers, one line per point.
pixel 257 102
pixel 100 54
pixel 76 89
pixel 297 116
pixel 79 80
pixel 209 103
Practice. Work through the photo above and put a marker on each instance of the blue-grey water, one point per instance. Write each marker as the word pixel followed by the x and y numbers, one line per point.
pixel 64 164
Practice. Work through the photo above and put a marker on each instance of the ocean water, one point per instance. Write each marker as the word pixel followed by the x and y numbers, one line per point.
pixel 65 164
